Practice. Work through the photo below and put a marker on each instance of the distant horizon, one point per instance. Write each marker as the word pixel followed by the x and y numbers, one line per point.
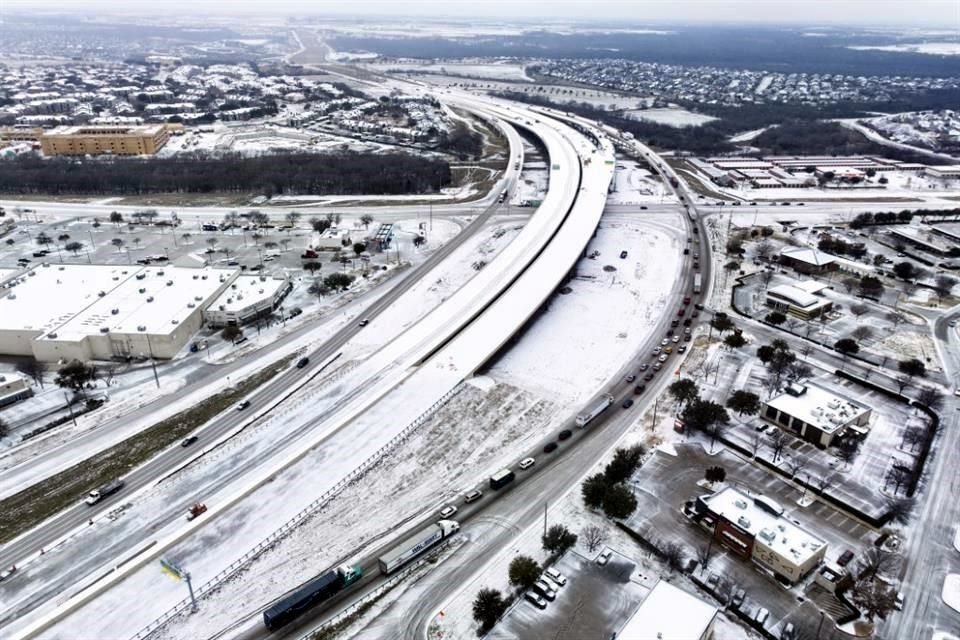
pixel 883 14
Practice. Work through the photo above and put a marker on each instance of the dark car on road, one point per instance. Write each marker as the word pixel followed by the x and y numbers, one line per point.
pixel 302 362
pixel 189 440
pixel 640 388
pixel 563 435
pixel 627 403
pixel 550 447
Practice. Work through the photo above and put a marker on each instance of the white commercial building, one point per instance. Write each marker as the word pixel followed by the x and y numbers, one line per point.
pixel 247 297
pixel 101 312
pixel 754 527
pixel 13 387
pixel 816 414
pixel 670 613
pixel 798 300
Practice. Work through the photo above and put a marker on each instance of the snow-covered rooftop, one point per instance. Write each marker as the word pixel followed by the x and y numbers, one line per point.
pixel 669 613
pixel 246 291
pixel 148 300
pixel 794 295
pixel 818 407
pixel 52 294
pixel 780 535
pixel 810 256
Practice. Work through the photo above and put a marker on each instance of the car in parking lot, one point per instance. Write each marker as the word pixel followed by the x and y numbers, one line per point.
pixel 550 447
pixel 541 587
pixel 845 558
pixel 448 511
pixel 604 557
pixel 698 307
pixel 761 615
pixel 563 435
pixel 189 440
pixel 623 254
pixel 555 576
pixel 898 601
pixel 737 599
pixel 472 496
pixel 640 388
pixel 526 463
pixel 302 362
pixel 627 403
pixel 535 599
pixel 788 632
pixel 695 314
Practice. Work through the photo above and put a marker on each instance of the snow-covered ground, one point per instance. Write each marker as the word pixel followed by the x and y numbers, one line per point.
pixel 674 117
pixel 606 314
pixel 634 185
pixel 493 70
pixel 932 48
pixel 257 137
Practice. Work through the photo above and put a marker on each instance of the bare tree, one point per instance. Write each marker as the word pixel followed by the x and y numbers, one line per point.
pixel 755 440
pixel 33 369
pixel 798 370
pixel 930 397
pixel 704 553
pixel 778 440
pixel 912 436
pixel 858 309
pixel 876 599
pixel 594 537
pixel 895 319
pixel 674 555
pixel 826 481
pixel 900 510
pixel 943 285
pixel 876 561
pixel 794 464
pixel 862 333
pixel 898 474
pixel 764 248
pixel 850 283
pixel 107 373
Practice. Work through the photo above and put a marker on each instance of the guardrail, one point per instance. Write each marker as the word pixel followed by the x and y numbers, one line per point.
pixel 287 527
pixel 376 593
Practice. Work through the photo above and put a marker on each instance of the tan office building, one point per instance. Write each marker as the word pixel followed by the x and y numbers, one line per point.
pixel 94 140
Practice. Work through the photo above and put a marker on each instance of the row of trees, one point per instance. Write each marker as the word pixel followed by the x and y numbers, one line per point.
pixel 523 572
pixel 868 218
pixel 608 491
pixel 281 173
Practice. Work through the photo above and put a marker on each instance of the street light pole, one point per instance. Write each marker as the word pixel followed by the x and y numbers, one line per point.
pixel 153 362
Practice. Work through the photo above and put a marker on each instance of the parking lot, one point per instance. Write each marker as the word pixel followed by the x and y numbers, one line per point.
pixel 595 603
pixel 665 482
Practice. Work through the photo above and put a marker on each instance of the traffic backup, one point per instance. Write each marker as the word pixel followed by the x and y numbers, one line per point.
pixel 324 587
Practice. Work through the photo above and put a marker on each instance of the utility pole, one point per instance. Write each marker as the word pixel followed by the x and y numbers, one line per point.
pixel 544 518
pixel 153 362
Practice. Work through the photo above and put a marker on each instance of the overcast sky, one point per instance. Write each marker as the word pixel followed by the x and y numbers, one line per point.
pixel 942 13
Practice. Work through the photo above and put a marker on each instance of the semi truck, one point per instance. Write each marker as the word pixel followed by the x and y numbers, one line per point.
pixel 501 479
pixel 309 595
pixel 594 410
pixel 697 282
pixel 417 544
pixel 108 489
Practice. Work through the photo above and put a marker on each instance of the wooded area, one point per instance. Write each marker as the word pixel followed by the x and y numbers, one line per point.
pixel 284 173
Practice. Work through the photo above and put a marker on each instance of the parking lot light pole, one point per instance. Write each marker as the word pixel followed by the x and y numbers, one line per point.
pixel 819 626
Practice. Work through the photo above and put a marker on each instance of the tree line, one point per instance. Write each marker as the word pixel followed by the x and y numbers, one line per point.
pixel 275 174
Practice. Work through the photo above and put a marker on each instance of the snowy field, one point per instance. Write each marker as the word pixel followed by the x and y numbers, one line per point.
pixel 493 70
pixel 932 48
pixel 258 138
pixel 603 318
pixel 635 185
pixel 670 117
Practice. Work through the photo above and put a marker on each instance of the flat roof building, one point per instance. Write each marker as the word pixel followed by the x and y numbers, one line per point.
pixel 816 414
pixel 247 298
pixel 94 140
pixel 101 312
pixel 797 301
pixel 753 527
pixel 13 388
pixel 947 171
pixel 670 613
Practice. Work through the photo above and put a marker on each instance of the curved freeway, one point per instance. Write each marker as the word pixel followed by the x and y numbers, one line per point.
pixel 30 544
pixel 392 364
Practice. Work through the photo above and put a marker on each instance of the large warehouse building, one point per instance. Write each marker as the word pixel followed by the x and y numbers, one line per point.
pixel 100 312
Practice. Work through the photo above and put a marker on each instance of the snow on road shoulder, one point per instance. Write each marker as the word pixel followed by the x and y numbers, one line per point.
pixel 604 317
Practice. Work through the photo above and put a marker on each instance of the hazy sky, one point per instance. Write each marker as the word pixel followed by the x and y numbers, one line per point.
pixel 941 13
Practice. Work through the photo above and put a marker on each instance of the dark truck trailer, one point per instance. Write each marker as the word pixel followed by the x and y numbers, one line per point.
pixel 501 478
pixel 309 595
